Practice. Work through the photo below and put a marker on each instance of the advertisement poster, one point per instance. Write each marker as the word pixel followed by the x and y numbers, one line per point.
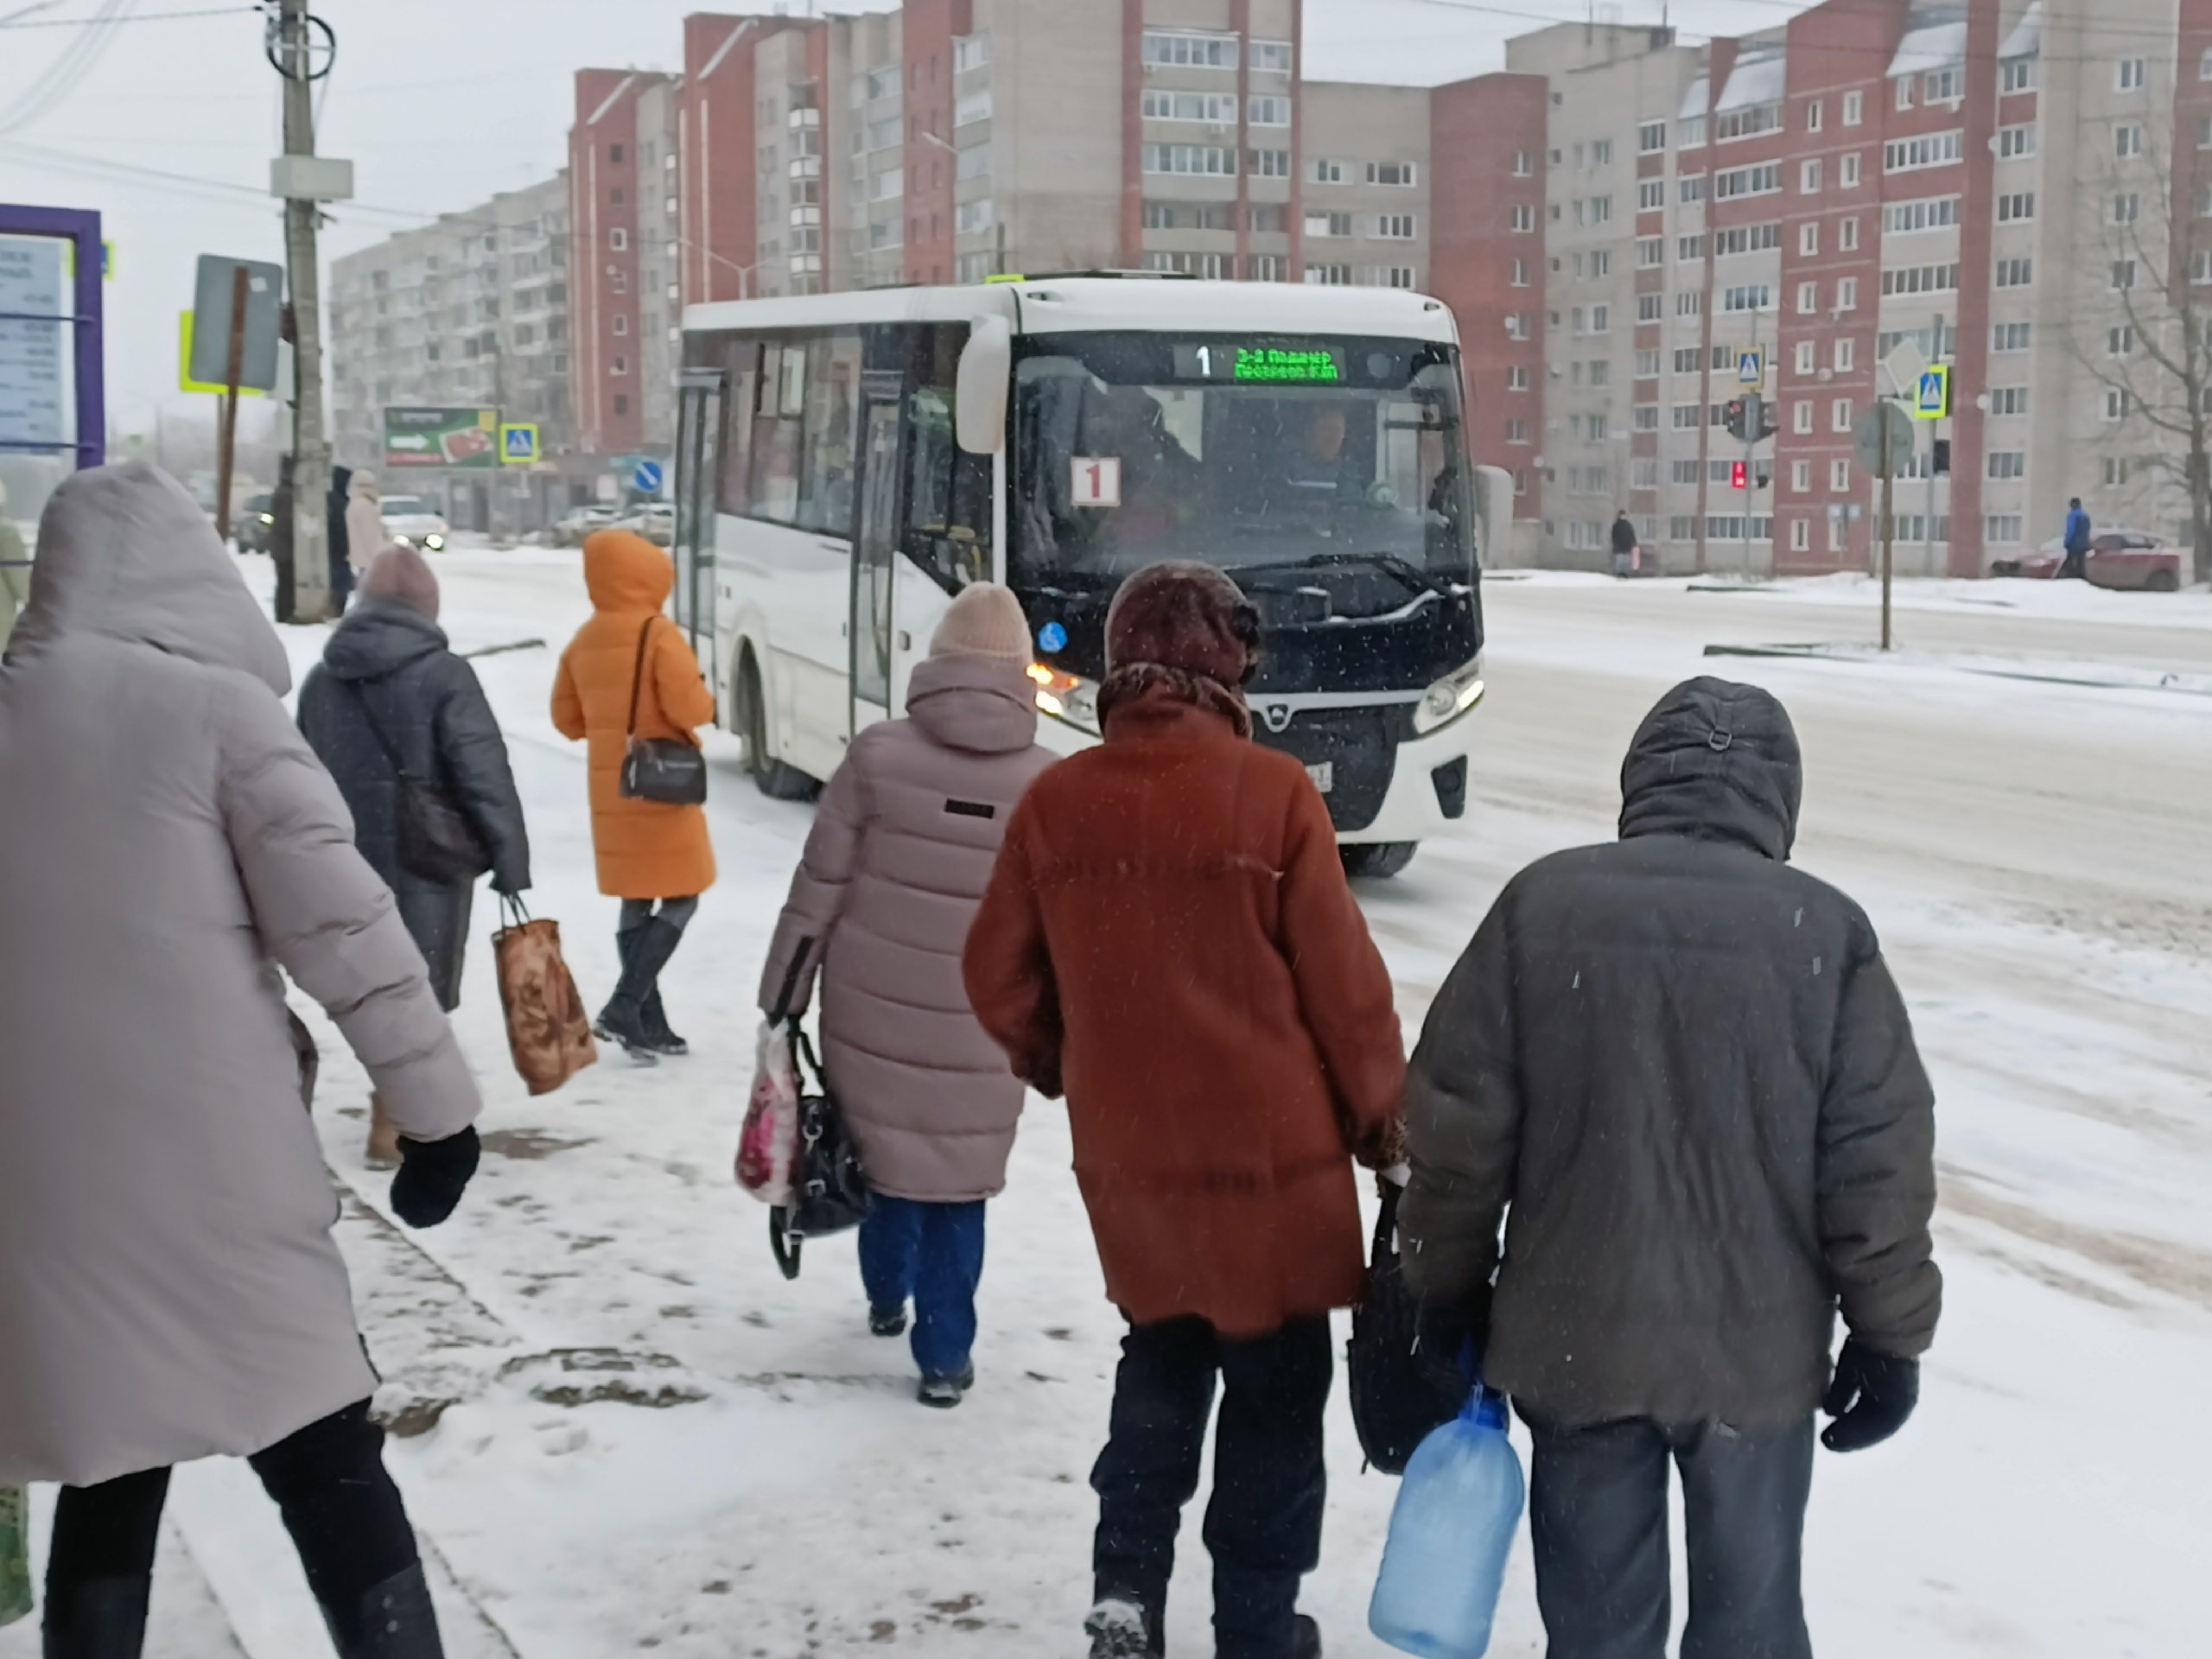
pixel 31 353
pixel 441 437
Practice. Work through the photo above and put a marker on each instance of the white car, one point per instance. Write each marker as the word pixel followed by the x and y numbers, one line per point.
pixel 412 521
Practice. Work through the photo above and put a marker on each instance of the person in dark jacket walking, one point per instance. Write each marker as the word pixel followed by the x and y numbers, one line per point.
pixel 1685 1067
pixel 389 694
pixel 1624 545
pixel 2078 536
pixel 1169 937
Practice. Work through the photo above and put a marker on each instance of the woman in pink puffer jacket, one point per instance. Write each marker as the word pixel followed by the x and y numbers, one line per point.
pixel 903 846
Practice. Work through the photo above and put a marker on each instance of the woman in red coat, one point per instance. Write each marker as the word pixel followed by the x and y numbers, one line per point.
pixel 1168 937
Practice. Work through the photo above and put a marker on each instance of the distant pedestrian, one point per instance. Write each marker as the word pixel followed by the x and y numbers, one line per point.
pixel 654 856
pixel 169 1288
pixel 1627 555
pixel 1681 1073
pixel 2078 534
pixel 338 529
pixel 901 849
pixel 1169 939
pixel 389 696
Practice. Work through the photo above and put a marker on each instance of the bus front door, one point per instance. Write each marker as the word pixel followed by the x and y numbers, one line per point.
pixel 875 548
pixel 698 470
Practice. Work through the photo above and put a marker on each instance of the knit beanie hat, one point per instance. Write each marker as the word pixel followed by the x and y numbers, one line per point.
pixel 400 572
pixel 985 620
pixel 1187 627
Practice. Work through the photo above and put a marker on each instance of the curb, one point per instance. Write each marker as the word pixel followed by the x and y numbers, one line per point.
pixel 2177 685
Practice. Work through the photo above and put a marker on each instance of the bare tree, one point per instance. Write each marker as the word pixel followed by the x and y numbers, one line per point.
pixel 2149 349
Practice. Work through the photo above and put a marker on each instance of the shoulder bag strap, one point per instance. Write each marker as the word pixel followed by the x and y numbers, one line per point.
pixel 781 1009
pixel 638 675
pixel 360 702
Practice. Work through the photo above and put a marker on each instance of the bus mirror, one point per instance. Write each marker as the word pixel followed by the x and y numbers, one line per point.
pixel 985 371
pixel 1493 514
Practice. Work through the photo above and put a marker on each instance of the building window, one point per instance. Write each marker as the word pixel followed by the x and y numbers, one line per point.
pixel 1517 431
pixel 1524 164
pixel 1809 177
pixel 1647 365
pixel 1688 416
pixel 2121 341
pixel 1516 378
pixel 1801 476
pixel 1691 189
pixel 1944 86
pixel 2008 463
pixel 1650 252
pixel 617 240
pixel 1272 57
pixel 1651 137
pixel 2008 400
pixel 2125 207
pixel 1395 227
pixel 2017 208
pixel 1519 274
pixel 1920 279
pixel 1523 219
pixel 1324 169
pixel 1650 308
pixel 1854 108
pixel 1847 355
pixel 620 365
pixel 1517 325
pixel 2017 75
pixel 1212 160
pixel 2010 337
pixel 1747 182
pixel 2128 142
pixel 1849 176
pixel 1270 163
pixel 1399 174
pixel 1651 196
pixel 621 403
pixel 1814 115
pixel 2016 140
pixel 1904 92
pixel 1691 133
pixel 1846 294
pixel 615 155
pixel 1328 276
pixel 1839 415
pixel 1264 268
pixel 1808 239
pixel 1217 108
pixel 1807 354
pixel 2128 75
pixel 1690 303
pixel 1801 417
pixel 1747 123
pixel 1328 225
pixel 1270 112
pixel 2118 404
pixel 1846 235
pixel 1689 248
pixel 621 326
pixel 2123 275
pixel 2015 273
pixel 1840 477
pixel 1190 50
pixel 1933 149
pixel 1930 213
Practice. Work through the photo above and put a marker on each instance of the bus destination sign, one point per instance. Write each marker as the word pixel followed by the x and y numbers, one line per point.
pixel 1277 365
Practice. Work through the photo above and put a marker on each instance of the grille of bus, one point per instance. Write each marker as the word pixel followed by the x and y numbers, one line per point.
pixel 1359 746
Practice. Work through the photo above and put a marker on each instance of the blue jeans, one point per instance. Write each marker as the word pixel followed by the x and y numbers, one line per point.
pixel 933 1253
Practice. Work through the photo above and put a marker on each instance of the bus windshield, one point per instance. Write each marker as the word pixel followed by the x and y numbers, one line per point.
pixel 1249 454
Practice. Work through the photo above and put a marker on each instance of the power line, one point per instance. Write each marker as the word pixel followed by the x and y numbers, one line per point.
pixel 98 20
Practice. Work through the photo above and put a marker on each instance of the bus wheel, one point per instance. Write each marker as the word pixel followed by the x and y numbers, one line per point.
pixel 771 776
pixel 1377 860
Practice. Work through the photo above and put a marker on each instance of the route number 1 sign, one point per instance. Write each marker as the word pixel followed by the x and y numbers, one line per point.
pixel 1097 481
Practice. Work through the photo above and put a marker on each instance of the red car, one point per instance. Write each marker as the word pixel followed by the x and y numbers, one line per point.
pixel 2118 558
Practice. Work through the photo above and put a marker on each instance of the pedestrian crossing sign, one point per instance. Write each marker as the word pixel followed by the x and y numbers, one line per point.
pixel 518 444
pixel 1751 368
pixel 1932 401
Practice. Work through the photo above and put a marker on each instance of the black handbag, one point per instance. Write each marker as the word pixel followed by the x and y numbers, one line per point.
pixel 664 769
pixel 437 839
pixel 829 1191
pixel 1400 1393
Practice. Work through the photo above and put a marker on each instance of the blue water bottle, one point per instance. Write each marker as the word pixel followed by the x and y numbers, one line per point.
pixel 1457 1512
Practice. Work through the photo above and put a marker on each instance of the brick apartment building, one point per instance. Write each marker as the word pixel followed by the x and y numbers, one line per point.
pixel 1617 218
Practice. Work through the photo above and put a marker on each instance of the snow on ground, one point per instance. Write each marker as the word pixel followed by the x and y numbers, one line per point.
pixel 624 1431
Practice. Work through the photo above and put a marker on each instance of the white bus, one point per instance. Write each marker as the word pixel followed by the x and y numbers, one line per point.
pixel 846 462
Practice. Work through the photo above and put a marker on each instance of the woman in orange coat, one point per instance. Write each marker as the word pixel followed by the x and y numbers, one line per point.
pixel 650 854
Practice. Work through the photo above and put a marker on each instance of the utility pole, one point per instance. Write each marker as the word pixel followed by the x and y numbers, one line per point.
pixel 1754 420
pixel 310 442
pixel 1889 528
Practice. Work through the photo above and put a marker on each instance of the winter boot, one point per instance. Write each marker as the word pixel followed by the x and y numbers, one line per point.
pixel 384 1136
pixel 657 1032
pixel 887 1321
pixel 393 1620
pixel 1121 1629
pixel 946 1392
pixel 1305 1639
pixel 623 1019
pixel 98 1618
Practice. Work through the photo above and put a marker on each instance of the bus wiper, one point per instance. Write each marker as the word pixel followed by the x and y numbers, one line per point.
pixel 1410 572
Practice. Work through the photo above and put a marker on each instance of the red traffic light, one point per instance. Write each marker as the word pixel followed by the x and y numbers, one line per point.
pixel 1738 476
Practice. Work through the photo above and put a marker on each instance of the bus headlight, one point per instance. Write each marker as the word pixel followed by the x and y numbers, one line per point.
pixel 1448 699
pixel 1066 696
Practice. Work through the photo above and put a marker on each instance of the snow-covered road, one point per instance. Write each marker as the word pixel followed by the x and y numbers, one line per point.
pixel 626 1432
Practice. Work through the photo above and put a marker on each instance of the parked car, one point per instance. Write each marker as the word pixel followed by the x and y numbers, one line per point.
pixel 2130 559
pixel 655 522
pixel 251 526
pixel 570 530
pixel 411 519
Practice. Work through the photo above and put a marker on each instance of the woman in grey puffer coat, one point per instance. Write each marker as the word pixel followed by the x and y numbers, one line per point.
pixel 903 846
pixel 391 693
pixel 169 1288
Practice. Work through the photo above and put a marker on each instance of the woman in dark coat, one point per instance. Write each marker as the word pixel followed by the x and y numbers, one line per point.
pixel 388 689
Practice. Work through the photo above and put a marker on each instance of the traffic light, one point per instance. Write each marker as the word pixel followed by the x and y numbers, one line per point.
pixel 1738 420
pixel 1739 476
pixel 1943 459
pixel 1770 416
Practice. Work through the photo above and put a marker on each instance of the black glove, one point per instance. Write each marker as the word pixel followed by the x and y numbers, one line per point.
pixel 1453 1333
pixel 1870 1399
pixel 432 1176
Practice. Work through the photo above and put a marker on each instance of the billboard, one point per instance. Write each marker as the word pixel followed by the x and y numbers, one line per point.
pixel 441 437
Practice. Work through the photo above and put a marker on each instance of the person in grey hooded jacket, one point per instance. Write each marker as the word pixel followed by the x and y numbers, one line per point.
pixel 389 693
pixel 169 1288
pixel 904 843
pixel 1684 1066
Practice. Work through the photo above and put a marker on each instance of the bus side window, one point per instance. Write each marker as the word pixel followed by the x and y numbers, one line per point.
pixel 948 495
pixel 831 435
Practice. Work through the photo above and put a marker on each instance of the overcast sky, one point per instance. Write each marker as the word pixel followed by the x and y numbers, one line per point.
pixel 440 102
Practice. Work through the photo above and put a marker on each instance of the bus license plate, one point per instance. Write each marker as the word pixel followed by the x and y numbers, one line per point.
pixel 1324 774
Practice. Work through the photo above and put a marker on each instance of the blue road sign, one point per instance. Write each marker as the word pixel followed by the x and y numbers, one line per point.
pixel 1751 368
pixel 647 477
pixel 518 444
pixel 1932 401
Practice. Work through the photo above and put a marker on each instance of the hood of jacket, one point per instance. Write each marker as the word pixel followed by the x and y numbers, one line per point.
pixel 977 704
pixel 1718 761
pixel 624 573
pixel 378 635
pixel 125 553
